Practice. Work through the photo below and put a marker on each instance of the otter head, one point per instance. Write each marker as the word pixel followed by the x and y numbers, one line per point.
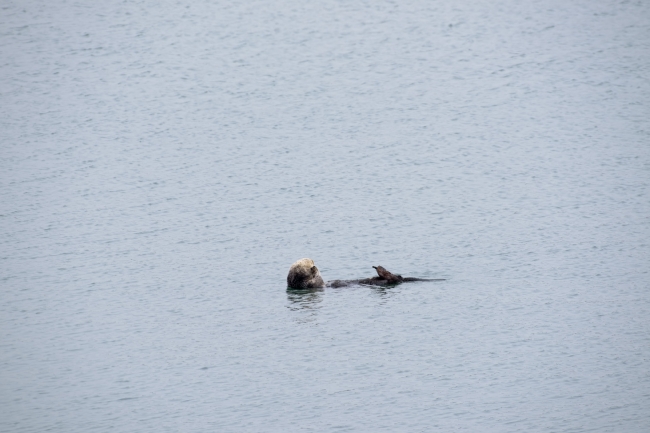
pixel 304 274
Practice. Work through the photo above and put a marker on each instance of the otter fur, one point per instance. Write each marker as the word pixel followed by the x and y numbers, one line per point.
pixel 304 274
pixel 386 275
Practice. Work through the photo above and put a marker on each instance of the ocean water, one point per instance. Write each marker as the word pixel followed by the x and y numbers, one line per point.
pixel 163 164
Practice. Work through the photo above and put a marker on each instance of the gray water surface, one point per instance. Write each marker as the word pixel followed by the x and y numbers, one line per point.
pixel 164 163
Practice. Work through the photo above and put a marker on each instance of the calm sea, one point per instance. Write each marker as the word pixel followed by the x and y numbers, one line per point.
pixel 162 164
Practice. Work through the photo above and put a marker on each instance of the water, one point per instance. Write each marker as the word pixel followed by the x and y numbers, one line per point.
pixel 164 163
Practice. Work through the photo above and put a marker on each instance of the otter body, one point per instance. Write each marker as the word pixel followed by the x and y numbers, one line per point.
pixel 304 274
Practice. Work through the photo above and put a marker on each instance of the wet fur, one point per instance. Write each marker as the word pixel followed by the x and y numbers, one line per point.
pixel 304 274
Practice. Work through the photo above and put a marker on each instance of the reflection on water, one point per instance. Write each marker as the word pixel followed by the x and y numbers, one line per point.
pixel 304 299
pixel 384 293
pixel 309 300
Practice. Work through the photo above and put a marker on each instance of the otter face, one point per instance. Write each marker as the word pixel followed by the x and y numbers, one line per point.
pixel 304 274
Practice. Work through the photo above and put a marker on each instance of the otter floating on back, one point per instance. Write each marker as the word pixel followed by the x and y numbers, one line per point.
pixel 304 274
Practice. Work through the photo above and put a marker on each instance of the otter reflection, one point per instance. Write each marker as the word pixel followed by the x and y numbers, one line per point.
pixel 304 299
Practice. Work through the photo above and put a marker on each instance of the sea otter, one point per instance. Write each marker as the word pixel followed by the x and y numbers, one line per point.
pixel 304 274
